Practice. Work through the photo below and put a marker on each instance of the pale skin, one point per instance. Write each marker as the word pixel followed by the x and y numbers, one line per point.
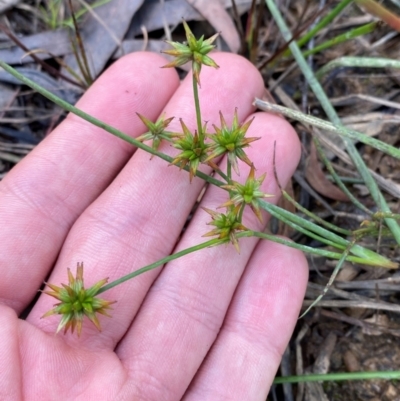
pixel 209 326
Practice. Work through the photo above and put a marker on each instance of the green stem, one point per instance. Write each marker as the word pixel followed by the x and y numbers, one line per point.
pixel 197 106
pixel 359 62
pixel 313 216
pixel 322 24
pixel 332 115
pixel 269 207
pixel 229 172
pixel 386 375
pixel 305 248
pixel 98 123
pixel 222 175
pixel 160 262
pixel 217 241
pixel 335 272
pixel 290 218
pixel 353 33
pixel 240 217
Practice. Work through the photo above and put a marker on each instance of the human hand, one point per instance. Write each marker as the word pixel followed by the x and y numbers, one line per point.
pixel 211 325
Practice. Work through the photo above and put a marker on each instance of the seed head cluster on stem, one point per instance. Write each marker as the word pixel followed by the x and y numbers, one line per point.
pixel 76 302
pixel 194 50
pixel 196 148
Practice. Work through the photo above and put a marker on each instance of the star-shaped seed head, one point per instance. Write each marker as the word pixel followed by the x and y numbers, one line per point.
pixel 227 225
pixel 193 147
pixel 231 140
pixel 248 193
pixel 76 302
pixel 194 50
pixel 156 131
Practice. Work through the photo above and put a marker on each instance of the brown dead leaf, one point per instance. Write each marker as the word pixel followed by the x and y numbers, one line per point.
pixel 379 322
pixel 351 361
pixel 317 179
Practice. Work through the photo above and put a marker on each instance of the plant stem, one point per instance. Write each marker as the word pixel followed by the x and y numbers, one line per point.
pixel 331 279
pixel 222 175
pixel 301 224
pixel 198 111
pixel 342 131
pixel 229 172
pixel 159 263
pixel 353 33
pixel 305 248
pixel 387 375
pixel 240 216
pixel 360 62
pixel 336 178
pixel 332 115
pixel 321 24
pixel 98 123
pixel 314 217
pixel 272 209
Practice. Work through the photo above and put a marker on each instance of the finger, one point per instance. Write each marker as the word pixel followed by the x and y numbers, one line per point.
pixel 139 218
pixel 10 361
pixel 261 318
pixel 184 310
pixel 36 366
pixel 45 193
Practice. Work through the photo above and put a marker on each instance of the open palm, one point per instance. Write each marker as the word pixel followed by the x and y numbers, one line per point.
pixel 209 326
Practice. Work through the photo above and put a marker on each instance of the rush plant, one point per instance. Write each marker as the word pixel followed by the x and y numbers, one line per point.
pixel 201 146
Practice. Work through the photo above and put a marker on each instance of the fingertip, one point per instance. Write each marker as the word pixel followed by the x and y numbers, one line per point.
pixel 135 82
pixel 236 81
pixel 235 65
pixel 277 151
pixel 282 275
pixel 257 328
pixel 133 66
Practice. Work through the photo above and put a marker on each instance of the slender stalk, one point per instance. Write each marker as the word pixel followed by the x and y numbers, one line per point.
pixel 81 55
pixel 321 24
pixel 313 216
pixel 217 241
pixel 160 262
pixel 386 375
pixel 330 111
pixel 353 33
pixel 240 215
pixel 342 131
pixel 197 107
pixel 272 209
pixel 305 248
pixel 229 171
pixel 98 123
pixel 222 175
pixel 291 218
pixel 362 62
pixel 337 179
pixel 331 279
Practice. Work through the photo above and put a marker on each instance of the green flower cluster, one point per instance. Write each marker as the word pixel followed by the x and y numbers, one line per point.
pixel 198 147
pixel 76 302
